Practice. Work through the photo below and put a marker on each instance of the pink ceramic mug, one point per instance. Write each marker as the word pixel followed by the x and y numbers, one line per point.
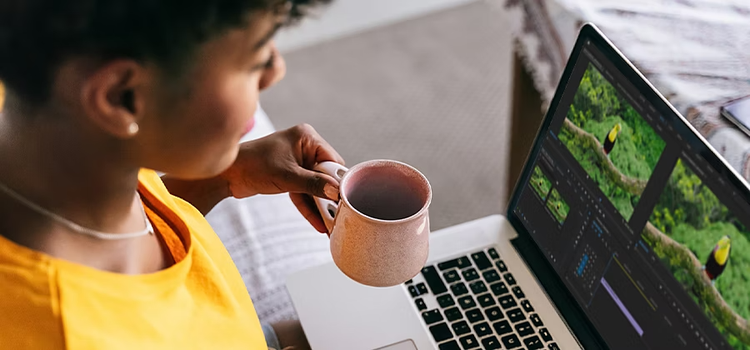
pixel 380 228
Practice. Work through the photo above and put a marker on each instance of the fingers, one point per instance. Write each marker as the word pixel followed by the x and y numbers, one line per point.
pixel 314 148
pixel 314 183
pixel 311 150
pixel 325 152
pixel 306 206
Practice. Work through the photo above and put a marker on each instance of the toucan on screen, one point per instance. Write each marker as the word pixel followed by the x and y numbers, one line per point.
pixel 651 240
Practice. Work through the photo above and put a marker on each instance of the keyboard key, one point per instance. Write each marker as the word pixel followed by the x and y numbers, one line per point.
pixel 518 292
pixel 509 278
pixel 501 266
pixel 478 287
pixel 502 327
pixel 420 304
pixel 524 328
pixel 491 343
pixel 469 342
pixel 441 332
pixel 533 343
pixel 493 254
pixel 515 315
pixel 491 276
pixel 526 305
pixel 494 313
pixel 553 346
pixel 433 280
pixel 507 301
pixel 474 315
pixel 499 288
pixel 453 314
pixel 409 282
pixel 511 341
pixel 466 302
pixel 459 289
pixel 422 288
pixel 486 300
pixel 461 328
pixel 481 260
pixel 536 320
pixel 432 316
pixel 451 276
pixel 451 345
pixel 445 300
pixel 413 291
pixel 459 263
pixel 482 329
pixel 470 274
pixel 545 334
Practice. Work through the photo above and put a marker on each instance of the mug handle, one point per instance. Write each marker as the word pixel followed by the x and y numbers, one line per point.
pixel 327 207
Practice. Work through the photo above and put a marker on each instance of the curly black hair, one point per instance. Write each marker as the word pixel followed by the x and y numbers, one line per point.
pixel 36 36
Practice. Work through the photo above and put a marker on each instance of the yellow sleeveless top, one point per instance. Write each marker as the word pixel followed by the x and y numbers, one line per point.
pixel 200 302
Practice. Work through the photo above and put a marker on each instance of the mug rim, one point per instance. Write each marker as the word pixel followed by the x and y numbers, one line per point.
pixel 353 169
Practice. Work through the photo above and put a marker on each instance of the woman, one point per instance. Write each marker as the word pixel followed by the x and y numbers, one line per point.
pixel 96 250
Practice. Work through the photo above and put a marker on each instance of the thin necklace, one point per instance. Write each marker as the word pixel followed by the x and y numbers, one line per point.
pixel 78 228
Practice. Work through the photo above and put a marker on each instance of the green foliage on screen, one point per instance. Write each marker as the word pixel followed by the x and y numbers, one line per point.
pixel 557 206
pixel 540 183
pixel 597 107
pixel 690 213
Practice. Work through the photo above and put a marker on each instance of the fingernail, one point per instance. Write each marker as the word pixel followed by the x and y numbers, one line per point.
pixel 331 192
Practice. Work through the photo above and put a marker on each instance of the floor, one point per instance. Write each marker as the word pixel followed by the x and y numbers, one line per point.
pixel 432 91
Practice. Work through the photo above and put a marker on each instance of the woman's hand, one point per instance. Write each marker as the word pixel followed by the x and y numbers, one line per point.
pixel 282 162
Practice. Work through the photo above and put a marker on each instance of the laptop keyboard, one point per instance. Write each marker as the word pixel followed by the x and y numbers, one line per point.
pixel 473 302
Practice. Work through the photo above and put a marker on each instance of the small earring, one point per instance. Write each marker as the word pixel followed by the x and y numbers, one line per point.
pixel 133 128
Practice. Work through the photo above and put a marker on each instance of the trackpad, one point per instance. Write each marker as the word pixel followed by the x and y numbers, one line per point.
pixel 404 345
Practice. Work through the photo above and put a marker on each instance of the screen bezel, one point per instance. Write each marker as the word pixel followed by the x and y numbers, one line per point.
pixel 527 246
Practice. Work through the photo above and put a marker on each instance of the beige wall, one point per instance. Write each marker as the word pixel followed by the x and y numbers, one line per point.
pixel 347 17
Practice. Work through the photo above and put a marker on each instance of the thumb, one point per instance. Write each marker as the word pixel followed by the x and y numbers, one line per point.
pixel 315 183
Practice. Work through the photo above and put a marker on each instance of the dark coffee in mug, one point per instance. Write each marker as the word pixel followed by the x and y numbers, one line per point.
pixel 386 193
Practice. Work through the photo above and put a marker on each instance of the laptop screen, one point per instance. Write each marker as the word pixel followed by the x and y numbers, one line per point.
pixel 650 239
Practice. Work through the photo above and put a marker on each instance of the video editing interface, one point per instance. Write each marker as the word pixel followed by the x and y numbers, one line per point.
pixel 652 242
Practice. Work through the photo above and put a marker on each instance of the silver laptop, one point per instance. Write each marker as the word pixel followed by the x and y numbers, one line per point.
pixel 619 235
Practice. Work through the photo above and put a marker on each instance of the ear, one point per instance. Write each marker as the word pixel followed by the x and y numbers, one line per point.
pixel 113 98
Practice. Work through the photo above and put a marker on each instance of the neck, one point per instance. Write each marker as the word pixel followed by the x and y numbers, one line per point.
pixel 61 166
pixel 56 165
